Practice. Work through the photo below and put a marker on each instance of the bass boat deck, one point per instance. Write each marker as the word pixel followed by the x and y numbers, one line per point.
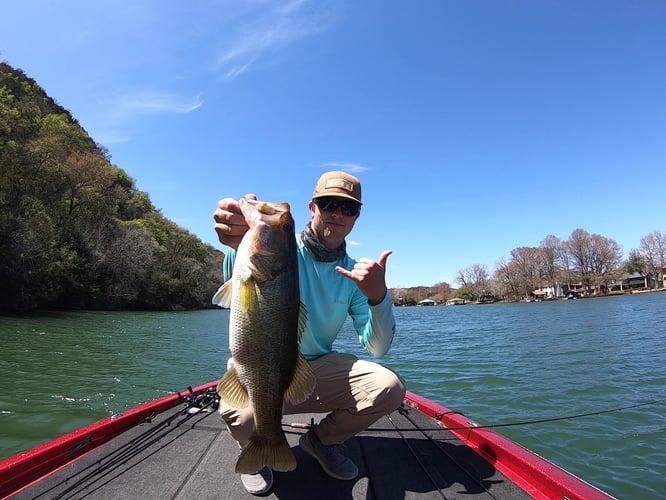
pixel 178 447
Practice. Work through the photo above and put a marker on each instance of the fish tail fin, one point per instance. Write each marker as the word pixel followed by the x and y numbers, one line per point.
pixel 231 390
pixel 259 452
pixel 302 383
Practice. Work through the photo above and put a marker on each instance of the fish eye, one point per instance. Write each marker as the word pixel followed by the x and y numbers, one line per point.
pixel 287 228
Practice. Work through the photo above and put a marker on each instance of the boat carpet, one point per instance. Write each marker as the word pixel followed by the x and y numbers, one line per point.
pixel 176 455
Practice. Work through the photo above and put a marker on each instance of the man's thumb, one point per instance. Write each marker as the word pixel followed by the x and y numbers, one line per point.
pixel 384 257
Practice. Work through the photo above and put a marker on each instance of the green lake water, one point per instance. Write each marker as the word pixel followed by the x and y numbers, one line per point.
pixel 497 364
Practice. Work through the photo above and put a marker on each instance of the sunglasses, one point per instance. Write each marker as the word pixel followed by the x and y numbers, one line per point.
pixel 347 207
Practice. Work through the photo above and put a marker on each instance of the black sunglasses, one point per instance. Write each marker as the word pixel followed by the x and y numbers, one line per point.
pixel 347 207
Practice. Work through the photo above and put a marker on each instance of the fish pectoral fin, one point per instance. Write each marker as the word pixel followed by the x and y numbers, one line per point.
pixel 247 294
pixel 302 383
pixel 232 391
pixel 302 320
pixel 222 297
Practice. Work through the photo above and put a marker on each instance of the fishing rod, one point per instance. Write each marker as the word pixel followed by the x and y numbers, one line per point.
pixel 206 403
pixel 416 455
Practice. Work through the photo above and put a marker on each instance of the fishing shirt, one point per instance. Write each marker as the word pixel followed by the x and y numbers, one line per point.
pixel 329 298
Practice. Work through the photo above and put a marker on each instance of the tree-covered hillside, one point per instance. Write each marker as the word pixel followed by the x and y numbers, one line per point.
pixel 74 230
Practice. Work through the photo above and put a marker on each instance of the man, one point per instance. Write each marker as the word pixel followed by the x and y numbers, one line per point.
pixel 355 393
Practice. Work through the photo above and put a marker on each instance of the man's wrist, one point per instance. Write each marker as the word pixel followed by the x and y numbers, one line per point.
pixel 377 302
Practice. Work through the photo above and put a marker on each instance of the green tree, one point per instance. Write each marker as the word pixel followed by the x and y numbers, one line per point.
pixel 466 293
pixel 74 229
pixel 635 262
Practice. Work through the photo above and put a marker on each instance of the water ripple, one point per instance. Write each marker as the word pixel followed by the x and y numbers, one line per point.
pixel 495 363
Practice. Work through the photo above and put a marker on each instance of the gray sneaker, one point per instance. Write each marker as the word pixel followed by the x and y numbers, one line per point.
pixel 331 459
pixel 259 482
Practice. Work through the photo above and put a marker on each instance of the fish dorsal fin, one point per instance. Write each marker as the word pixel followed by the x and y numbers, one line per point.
pixel 223 295
pixel 302 383
pixel 231 390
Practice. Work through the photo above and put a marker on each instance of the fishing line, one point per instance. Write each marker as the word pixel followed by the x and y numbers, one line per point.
pixel 553 419
pixel 417 457
pixel 476 479
pixel 439 416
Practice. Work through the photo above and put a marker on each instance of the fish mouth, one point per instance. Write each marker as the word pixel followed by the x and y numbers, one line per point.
pixel 255 211
pixel 265 207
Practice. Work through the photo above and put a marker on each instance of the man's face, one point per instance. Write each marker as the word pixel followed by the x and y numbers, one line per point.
pixel 331 226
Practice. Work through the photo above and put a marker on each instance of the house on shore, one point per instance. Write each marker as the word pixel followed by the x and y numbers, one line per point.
pixel 632 281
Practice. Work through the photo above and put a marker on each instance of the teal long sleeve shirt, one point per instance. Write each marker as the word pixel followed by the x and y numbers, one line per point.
pixel 329 298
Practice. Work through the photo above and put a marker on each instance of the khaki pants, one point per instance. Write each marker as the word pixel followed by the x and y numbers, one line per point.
pixel 355 394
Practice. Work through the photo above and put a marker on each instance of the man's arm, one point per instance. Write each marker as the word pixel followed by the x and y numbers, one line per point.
pixel 375 324
pixel 228 264
pixel 372 307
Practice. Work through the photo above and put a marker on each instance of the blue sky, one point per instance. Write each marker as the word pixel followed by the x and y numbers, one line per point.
pixel 476 127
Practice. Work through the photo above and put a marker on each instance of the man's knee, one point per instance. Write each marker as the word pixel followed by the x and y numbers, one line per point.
pixel 394 391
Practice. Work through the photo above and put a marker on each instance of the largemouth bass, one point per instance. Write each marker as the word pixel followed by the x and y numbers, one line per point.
pixel 265 324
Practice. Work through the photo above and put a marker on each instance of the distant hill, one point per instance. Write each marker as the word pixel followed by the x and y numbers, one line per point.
pixel 75 232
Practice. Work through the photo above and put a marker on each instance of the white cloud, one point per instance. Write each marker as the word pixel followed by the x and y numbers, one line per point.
pixel 237 70
pixel 110 126
pixel 353 243
pixel 157 102
pixel 269 32
pixel 352 168
pixel 110 137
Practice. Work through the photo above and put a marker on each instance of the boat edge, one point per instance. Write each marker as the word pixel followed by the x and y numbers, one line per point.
pixel 20 471
pixel 536 475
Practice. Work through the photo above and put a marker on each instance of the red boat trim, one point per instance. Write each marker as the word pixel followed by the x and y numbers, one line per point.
pixel 24 469
pixel 531 472
pixel 534 474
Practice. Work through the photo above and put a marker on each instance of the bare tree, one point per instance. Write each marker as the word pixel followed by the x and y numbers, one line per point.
pixel 474 277
pixel 578 248
pixel 127 259
pixel 527 262
pixel 606 259
pixel 443 291
pixel 507 279
pixel 596 258
pixel 567 271
pixel 550 257
pixel 653 251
